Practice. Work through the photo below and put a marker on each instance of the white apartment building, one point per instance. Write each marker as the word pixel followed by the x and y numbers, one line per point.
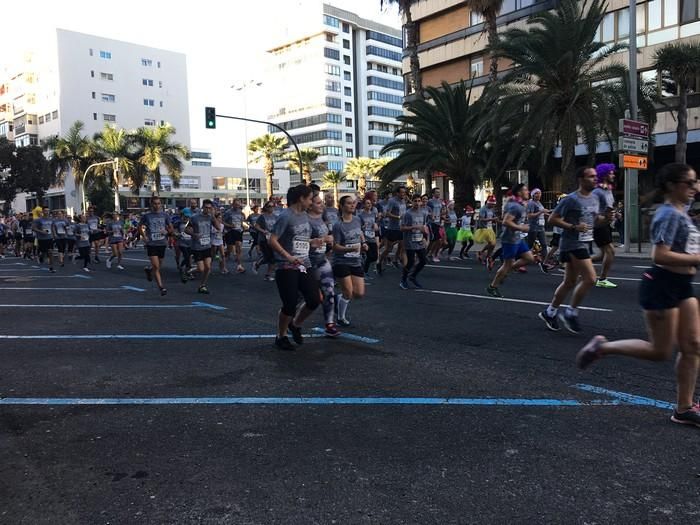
pixel 338 87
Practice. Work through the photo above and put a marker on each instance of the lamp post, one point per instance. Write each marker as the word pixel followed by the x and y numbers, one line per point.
pixel 243 87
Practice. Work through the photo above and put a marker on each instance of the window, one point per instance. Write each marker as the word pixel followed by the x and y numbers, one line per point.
pixel 348 137
pixel 331 53
pixel 333 102
pixel 201 155
pixel 146 62
pixel 331 21
pixel 654 14
pixel 47 117
pixel 41 119
pixel 92 74
pixel 347 91
pixel 384 112
pixel 90 51
pixel 149 102
pixel 689 11
pixel 107 76
pixel 381 37
pixel 160 103
pixel 333 70
pixel 346 75
pixel 335 165
pixel 384 53
pixel 346 44
pixel 476 66
pixel 149 122
pixel 330 37
pixel 346 27
pixel 333 118
pixel 384 97
pixel 378 67
pixel 147 82
pixel 314 136
pixel 109 118
pixel 346 60
pixel 382 126
pixel 383 82
pixel 348 152
pixel 108 97
pixel 200 163
pixel 160 83
pixel 332 85
pixel 608 28
pixel 348 122
pixel 162 123
pixel 158 64
pixel 475 18
pixel 348 106
pixel 670 12
pixel 54 114
pixel 331 150
pixel 623 23
pixel 106 54
pixel 379 141
pixel 93 94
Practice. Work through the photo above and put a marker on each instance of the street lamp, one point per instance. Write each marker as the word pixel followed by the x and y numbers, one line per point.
pixel 243 87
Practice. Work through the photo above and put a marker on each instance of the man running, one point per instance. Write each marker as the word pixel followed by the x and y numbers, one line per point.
pixel 393 211
pixel 516 252
pixel 233 222
pixel 435 208
pixel 155 227
pixel 115 232
pixel 43 230
pixel 368 215
pixel 602 233
pixel 330 212
pixel 59 234
pixel 577 214
pixel 415 229
pixel 93 221
pixel 264 226
pixel 536 217
pixel 200 229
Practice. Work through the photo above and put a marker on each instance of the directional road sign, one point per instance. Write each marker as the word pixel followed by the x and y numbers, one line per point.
pixel 633 162
pixel 633 145
pixel 634 128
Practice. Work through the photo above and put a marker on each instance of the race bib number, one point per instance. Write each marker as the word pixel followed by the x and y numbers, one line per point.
pixel 157 236
pixel 692 245
pixel 522 235
pixel 185 236
pixel 47 231
pixel 204 240
pixel 540 220
pixel 586 236
pixel 417 237
pixel 356 250
pixel 60 230
pixel 300 248
pixel 84 236
pixel 369 234
pixel 28 231
pixel 453 224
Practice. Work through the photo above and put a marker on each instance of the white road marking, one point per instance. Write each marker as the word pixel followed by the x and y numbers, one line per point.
pixel 508 300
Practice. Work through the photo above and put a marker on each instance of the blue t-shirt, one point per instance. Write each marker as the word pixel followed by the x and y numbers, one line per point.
pixel 674 228
pixel 575 209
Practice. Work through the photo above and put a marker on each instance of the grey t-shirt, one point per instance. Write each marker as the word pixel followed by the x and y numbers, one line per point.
pixel 451 219
pixel 319 228
pixel 267 223
pixel 413 240
pixel 395 206
pixel 517 211
pixel 234 218
pixel 44 227
pixel 435 209
pixel 674 228
pixel 536 223
pixel 82 235
pixel 59 228
pixel 70 230
pixel 369 219
pixel 348 234
pixel 293 232
pixel 116 231
pixel 485 216
pixel 184 240
pixel 93 221
pixel 156 224
pixel 201 230
pixel 607 199
pixel 575 209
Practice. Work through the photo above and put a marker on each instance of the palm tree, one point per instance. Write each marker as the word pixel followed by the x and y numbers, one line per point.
pixel 489 10
pixel 115 143
pixel 308 163
pixel 268 148
pixel 332 179
pixel 71 153
pixel 363 169
pixel 562 78
pixel 415 84
pixel 155 149
pixel 443 135
pixel 682 62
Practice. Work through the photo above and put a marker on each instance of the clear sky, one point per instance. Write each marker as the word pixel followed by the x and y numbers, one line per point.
pixel 225 42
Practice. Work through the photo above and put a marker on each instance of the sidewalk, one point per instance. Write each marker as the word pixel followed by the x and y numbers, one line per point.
pixel 634 253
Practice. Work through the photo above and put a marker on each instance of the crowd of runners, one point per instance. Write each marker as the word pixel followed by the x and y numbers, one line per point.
pixel 320 253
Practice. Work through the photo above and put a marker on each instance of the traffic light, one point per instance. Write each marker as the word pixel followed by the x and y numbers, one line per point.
pixel 210 114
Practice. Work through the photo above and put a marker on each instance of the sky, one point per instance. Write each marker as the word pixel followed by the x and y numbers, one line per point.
pixel 225 43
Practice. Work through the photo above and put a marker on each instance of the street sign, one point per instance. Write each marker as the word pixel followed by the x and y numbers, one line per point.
pixel 633 162
pixel 633 145
pixel 634 128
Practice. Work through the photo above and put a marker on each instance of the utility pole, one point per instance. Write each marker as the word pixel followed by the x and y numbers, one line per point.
pixel 631 210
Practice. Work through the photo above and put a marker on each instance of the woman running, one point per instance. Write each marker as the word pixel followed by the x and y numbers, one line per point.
pixel 666 294
pixel 465 235
pixel 368 216
pixel 115 232
pixel 82 236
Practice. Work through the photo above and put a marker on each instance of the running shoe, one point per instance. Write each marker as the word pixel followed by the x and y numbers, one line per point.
pixel 551 322
pixel 493 291
pixel 331 330
pixel 108 263
pixel 163 291
pixel 283 343
pixel 51 270
pixel 604 283
pixel 403 284
pixel 687 417
pixel 97 259
pixel 436 260
pixel 368 277
pixel 343 322
pixel 183 276
pixel 296 334
pixel 203 289
pixel 87 270
pixel 543 268
pixel 415 283
pixel 270 278
pixel 590 353
pixel 149 273
pixel 240 269
pixel 571 323
pixel 120 267
pixel 224 272
pixel 395 264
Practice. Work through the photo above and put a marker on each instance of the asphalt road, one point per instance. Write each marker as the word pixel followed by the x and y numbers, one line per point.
pixel 447 407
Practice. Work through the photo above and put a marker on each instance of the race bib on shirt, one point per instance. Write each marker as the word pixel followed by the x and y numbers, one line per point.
pixel 355 253
pixel 540 220
pixel 84 236
pixel 28 231
pixel 300 247
pixel 692 245
pixel 157 236
pixel 417 236
pixel 369 234
pixel 204 239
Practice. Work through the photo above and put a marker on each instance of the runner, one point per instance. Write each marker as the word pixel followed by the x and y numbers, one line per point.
pixel 290 240
pixel 43 230
pixel 200 228
pixel 436 211
pixel 330 212
pixel 264 226
pixel 465 235
pixel 516 252
pixel 602 234
pixel 394 210
pixel 184 243
pixel 70 238
pixel 322 269
pixel 115 233
pixel 27 236
pixel 233 221
pixel 551 261
pixel 368 215
pixel 155 228
pixel 59 234
pixel 218 252
pixel 3 237
pixel 93 221
pixel 348 245
pixel 536 216
pixel 415 228
pixel 82 235
pixel 485 233
pixel 666 294
pixel 250 221
pixel 18 233
pixel 577 215
pixel 450 230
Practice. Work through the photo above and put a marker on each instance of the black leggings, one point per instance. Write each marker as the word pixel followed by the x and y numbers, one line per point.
pixel 84 252
pixel 291 283
pixel 186 252
pixel 371 255
pixel 466 245
pixel 411 258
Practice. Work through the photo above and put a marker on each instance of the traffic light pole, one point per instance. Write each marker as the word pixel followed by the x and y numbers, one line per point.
pixel 631 211
pixel 301 164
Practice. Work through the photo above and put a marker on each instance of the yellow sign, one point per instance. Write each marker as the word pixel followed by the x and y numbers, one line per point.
pixel 633 162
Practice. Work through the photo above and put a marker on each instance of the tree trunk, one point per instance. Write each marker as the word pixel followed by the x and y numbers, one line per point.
pixel 682 129
pixel 490 20
pixel 307 176
pixel 362 185
pixel 568 157
pixel 335 194
pixel 428 179
pixel 415 84
pixel 464 191
pixel 269 170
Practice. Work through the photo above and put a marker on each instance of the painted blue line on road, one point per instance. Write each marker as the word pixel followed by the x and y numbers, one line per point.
pixel 68 289
pixel 630 399
pixel 350 337
pixel 133 288
pixel 52 276
pixel 128 306
pixel 307 401
pixel 172 336
pixel 207 305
